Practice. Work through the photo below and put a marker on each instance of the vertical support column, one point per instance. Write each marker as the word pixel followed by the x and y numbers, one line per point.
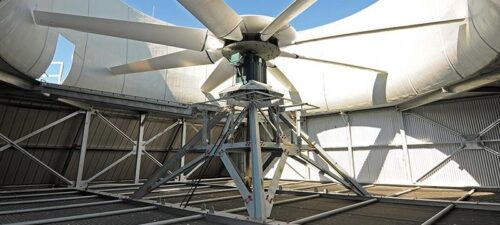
pixel 139 147
pixel 404 144
pixel 205 135
pixel 277 123
pixel 83 150
pixel 349 145
pixel 183 142
pixel 299 128
pixel 256 160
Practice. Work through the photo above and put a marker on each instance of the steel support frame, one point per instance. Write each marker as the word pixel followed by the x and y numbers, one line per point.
pixel 83 150
pixel 347 120
pixel 258 201
pixel 345 178
pixel 183 158
pixel 191 213
pixel 404 147
pixel 259 206
pixel 42 129
pixel 139 146
pixel 153 181
pixel 447 209
pixel 35 159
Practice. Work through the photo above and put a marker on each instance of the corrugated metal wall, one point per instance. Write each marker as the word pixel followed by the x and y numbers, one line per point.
pixel 59 146
pixel 433 133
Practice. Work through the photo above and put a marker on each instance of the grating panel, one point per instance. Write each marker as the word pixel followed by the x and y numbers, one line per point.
pixel 301 209
pixel 62 213
pixel 47 204
pixel 470 217
pixel 382 214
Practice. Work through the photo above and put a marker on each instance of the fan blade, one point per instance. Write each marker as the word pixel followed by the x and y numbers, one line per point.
pixel 217 16
pixel 182 37
pixel 295 56
pixel 175 60
pixel 293 10
pixel 281 77
pixel 378 30
pixel 221 73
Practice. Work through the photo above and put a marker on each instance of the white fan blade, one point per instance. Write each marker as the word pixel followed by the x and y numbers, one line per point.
pixel 217 16
pixel 175 60
pixel 377 30
pixel 221 73
pixel 292 11
pixel 295 56
pixel 182 37
pixel 281 77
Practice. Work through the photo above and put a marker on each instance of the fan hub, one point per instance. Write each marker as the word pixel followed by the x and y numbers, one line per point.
pixel 264 50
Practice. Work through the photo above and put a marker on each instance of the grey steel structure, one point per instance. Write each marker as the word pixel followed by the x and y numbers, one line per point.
pixel 87 151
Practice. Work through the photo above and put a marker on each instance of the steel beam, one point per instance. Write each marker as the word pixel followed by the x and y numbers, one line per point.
pixel 269 163
pixel 218 199
pixel 404 147
pixel 166 190
pixel 59 207
pixel 436 124
pixel 42 129
pixel 477 81
pixel 292 200
pixel 152 158
pixel 275 183
pixel 83 149
pixel 259 207
pixel 38 194
pixel 235 175
pixel 315 186
pixel 18 81
pixel 177 220
pixel 324 170
pixel 190 165
pixel 350 150
pixel 329 160
pixel 139 147
pixel 447 209
pixel 47 200
pixel 35 159
pixel 195 193
pixel 109 167
pixel 103 118
pixel 152 181
pixel 492 151
pixel 183 158
pixel 333 212
pixel 444 161
pixel 347 190
pixel 132 188
pixel 404 192
pixel 34 190
pixel 161 133
pixel 86 216
pixel 126 102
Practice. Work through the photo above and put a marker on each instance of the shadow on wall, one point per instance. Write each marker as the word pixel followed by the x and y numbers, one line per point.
pixel 468 167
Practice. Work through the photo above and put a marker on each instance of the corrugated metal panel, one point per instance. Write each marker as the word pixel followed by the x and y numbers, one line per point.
pixel 328 131
pixel 468 117
pixel 55 146
pixel 376 140
pixel 374 127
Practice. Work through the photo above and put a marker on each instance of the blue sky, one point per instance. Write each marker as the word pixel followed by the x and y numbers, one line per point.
pixel 322 12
